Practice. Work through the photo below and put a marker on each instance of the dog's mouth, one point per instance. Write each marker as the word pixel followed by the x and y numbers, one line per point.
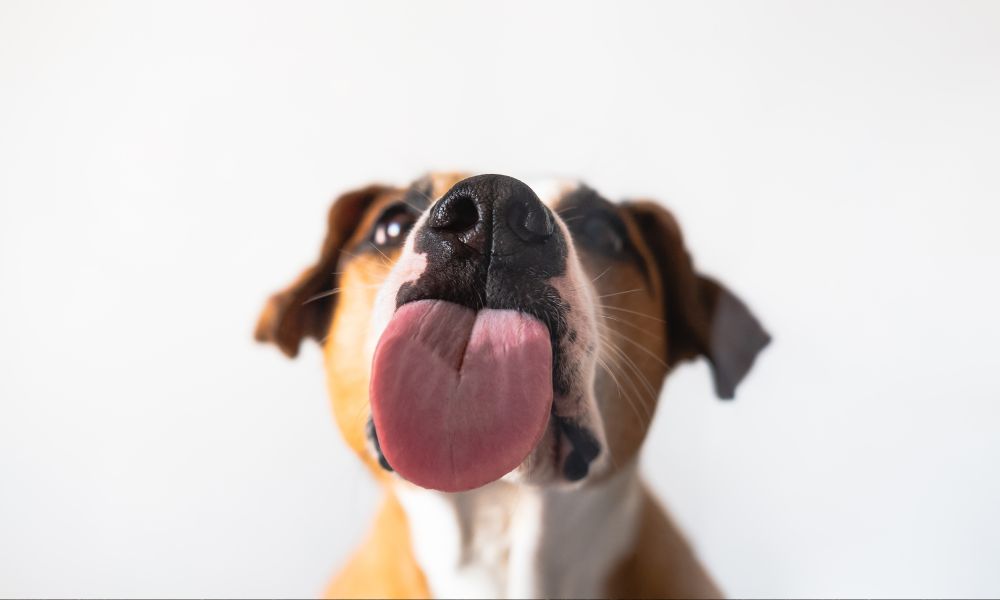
pixel 460 397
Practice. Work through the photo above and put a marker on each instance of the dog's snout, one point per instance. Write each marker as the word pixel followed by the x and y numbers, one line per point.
pixel 494 214
pixel 489 242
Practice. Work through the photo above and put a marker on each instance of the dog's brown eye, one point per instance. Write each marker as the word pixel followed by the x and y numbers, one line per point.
pixel 392 227
pixel 602 235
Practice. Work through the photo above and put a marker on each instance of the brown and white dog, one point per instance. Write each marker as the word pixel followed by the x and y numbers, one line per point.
pixel 494 352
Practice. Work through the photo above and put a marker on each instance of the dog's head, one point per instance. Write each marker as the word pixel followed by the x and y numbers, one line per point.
pixel 480 328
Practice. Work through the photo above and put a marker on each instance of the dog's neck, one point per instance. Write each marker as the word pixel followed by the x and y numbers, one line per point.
pixel 509 540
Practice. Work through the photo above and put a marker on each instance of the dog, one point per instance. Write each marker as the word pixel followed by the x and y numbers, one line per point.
pixel 495 351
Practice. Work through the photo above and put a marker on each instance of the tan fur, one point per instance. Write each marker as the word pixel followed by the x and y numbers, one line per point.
pixel 383 566
pixel 347 371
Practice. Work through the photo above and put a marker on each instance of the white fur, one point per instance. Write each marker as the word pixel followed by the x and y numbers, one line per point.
pixel 520 541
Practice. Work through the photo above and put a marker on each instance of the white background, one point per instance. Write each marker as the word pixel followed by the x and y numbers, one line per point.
pixel 163 168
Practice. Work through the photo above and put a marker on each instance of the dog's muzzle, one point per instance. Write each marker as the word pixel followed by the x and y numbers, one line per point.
pixel 464 375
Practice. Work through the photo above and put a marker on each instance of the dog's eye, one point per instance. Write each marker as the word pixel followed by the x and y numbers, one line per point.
pixel 602 235
pixel 393 225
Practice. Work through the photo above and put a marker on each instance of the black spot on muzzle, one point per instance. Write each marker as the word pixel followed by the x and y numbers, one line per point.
pixel 585 448
pixel 373 436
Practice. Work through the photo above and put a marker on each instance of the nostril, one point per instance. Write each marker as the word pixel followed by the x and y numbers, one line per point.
pixel 531 221
pixel 454 213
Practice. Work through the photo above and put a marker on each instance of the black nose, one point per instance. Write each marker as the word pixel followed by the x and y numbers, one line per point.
pixel 489 242
pixel 493 214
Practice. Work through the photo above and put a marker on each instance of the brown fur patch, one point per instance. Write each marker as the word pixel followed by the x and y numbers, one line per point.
pixel 662 564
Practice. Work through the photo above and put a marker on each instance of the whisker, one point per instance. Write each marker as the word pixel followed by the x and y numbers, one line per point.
pixel 389 260
pixel 336 291
pixel 618 384
pixel 325 294
pixel 622 293
pixel 567 209
pixel 339 273
pixel 631 312
pixel 601 275
pixel 380 263
pixel 425 195
pixel 351 254
pixel 625 360
pixel 624 355
pixel 633 325
pixel 644 349
pixel 414 206
pixel 635 398
pixel 361 412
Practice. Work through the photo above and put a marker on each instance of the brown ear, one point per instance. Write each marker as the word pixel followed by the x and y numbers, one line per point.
pixel 703 317
pixel 296 312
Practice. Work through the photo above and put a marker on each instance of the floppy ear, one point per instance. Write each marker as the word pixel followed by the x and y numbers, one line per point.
pixel 703 317
pixel 296 312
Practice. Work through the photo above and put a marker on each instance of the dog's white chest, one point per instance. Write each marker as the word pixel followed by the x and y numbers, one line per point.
pixel 461 541
pixel 512 541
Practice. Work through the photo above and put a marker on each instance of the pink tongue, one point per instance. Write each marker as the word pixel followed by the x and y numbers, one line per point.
pixel 460 398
